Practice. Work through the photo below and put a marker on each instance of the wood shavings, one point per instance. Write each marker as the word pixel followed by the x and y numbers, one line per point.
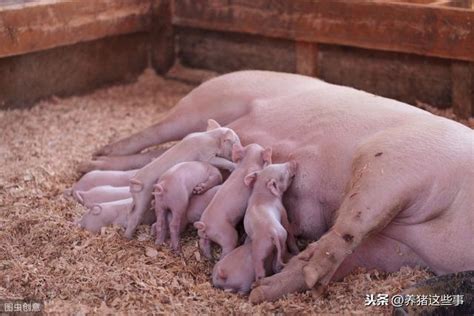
pixel 45 256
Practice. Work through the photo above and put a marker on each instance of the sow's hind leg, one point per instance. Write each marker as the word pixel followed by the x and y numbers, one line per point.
pixel 135 161
pixel 381 186
pixel 188 116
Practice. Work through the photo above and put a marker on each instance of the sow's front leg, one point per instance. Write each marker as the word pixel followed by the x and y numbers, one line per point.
pixel 373 200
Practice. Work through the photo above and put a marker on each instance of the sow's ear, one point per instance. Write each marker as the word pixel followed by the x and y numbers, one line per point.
pixel 267 156
pixel 250 179
pixel 212 124
pixel 238 152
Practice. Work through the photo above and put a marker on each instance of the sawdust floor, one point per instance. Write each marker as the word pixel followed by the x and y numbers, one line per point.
pixel 43 256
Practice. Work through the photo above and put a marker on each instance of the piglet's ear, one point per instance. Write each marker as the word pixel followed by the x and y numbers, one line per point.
pixel 267 156
pixel 212 124
pixel 238 152
pixel 250 179
pixel 228 137
pixel 273 187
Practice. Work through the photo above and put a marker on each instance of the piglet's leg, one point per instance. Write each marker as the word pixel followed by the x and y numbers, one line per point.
pixel 161 227
pixel 179 216
pixel 227 239
pixel 222 163
pixel 367 208
pixel 291 240
pixel 261 249
pixel 141 194
pixel 205 246
pixel 212 181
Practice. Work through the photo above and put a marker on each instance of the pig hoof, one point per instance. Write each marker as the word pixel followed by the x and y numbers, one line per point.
pixel 153 230
pixel 128 235
pixel 198 189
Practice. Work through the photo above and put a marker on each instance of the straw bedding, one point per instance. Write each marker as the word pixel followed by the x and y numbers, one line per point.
pixel 43 256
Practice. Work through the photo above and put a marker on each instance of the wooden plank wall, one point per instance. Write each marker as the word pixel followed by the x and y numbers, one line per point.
pixel 62 48
pixel 48 24
pixel 412 52
pixel 399 27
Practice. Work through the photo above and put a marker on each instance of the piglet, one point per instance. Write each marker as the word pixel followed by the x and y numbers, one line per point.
pixel 197 205
pixel 266 221
pixel 235 272
pixel 227 208
pixel 102 194
pixel 99 178
pixel 213 146
pixel 173 191
pixel 105 214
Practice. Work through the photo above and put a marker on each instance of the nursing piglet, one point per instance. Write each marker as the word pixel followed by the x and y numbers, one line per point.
pixel 197 205
pixel 105 214
pixel 173 192
pixel 103 194
pixel 235 271
pixel 227 208
pixel 100 178
pixel 266 221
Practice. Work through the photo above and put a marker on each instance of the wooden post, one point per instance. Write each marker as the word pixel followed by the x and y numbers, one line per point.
pixel 307 59
pixel 162 36
pixel 462 76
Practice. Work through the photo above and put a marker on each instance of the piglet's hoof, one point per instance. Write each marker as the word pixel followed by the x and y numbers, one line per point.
pixel 199 189
pixel 153 230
